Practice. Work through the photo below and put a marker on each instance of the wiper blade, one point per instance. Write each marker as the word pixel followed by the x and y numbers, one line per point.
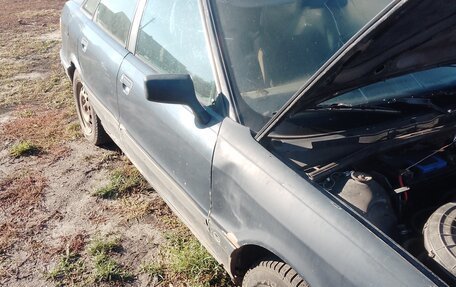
pixel 365 108
pixel 419 102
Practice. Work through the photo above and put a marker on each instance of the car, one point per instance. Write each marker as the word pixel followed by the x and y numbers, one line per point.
pixel 303 142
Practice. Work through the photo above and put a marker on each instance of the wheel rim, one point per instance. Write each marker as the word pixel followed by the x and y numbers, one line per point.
pixel 85 109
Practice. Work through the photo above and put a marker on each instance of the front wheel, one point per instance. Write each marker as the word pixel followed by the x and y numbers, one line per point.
pixel 273 274
pixel 90 123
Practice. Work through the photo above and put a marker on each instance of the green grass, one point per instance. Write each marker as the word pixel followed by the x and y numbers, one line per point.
pixel 182 258
pixel 24 148
pixel 105 267
pixel 124 181
pixel 69 271
pixel 155 270
pixel 104 246
pixel 187 258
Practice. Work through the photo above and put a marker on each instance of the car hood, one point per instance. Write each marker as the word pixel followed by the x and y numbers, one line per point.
pixel 408 36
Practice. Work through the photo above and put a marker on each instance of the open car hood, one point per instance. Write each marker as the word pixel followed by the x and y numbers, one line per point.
pixel 408 36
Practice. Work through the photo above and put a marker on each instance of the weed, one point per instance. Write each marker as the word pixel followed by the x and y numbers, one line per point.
pixel 69 269
pixel 124 181
pixel 189 259
pixel 155 270
pixel 183 259
pixel 109 191
pixel 101 246
pixel 24 148
pixel 106 268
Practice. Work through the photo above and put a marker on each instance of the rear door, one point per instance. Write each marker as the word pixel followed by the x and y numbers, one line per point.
pixel 164 140
pixel 102 48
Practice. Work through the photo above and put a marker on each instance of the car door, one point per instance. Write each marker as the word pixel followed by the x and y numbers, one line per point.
pixel 101 51
pixel 164 140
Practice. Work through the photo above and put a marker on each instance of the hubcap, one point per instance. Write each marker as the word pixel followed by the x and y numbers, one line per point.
pixel 86 111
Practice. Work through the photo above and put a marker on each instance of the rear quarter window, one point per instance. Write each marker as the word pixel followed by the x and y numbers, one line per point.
pixel 90 6
pixel 115 17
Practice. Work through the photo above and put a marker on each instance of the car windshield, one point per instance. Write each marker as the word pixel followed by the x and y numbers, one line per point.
pixel 272 47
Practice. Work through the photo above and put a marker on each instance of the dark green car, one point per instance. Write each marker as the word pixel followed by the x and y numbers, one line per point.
pixel 304 142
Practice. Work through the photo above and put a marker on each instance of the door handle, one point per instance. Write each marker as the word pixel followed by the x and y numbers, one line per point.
pixel 127 84
pixel 84 44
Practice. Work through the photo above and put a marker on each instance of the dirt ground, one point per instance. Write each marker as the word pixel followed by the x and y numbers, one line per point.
pixel 72 214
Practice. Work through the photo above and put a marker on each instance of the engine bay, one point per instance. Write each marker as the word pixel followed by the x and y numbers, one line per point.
pixel 407 192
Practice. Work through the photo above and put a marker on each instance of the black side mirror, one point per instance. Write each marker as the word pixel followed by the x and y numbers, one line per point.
pixel 175 89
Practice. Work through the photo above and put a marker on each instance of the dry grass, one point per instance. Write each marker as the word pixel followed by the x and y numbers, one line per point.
pixel 8 235
pixel 135 207
pixel 45 128
pixel 22 191
pixel 19 198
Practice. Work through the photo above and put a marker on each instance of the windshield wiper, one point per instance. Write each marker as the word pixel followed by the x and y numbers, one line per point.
pixel 347 107
pixel 419 102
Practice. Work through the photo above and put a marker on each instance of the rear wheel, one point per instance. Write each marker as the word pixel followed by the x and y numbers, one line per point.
pixel 90 123
pixel 273 274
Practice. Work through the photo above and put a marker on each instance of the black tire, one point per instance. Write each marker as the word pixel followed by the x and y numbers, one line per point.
pixel 91 126
pixel 273 273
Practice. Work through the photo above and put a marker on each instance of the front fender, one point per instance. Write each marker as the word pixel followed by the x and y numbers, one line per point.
pixel 257 199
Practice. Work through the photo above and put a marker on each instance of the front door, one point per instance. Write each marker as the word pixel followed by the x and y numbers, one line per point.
pixel 170 40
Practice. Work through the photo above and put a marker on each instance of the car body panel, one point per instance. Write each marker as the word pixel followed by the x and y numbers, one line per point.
pixel 289 216
pixel 169 133
pixel 99 64
pixel 70 30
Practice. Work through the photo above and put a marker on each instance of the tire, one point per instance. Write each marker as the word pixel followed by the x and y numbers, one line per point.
pixel 91 126
pixel 273 274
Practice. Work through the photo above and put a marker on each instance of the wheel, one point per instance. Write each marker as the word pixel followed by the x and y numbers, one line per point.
pixel 273 273
pixel 90 123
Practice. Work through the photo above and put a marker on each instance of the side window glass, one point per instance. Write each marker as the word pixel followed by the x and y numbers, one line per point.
pixel 90 6
pixel 171 39
pixel 115 16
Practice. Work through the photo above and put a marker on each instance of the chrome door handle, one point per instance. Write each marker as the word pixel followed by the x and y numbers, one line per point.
pixel 127 84
pixel 84 44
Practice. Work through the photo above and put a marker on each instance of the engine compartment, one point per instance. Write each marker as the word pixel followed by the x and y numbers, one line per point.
pixel 407 192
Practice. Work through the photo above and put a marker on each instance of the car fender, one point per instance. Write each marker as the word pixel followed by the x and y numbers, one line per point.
pixel 258 200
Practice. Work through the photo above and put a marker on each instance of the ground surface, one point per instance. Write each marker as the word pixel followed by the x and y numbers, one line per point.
pixel 72 214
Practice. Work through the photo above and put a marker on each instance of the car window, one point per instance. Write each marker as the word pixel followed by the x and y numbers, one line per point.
pixel 90 6
pixel 116 16
pixel 171 39
pixel 273 47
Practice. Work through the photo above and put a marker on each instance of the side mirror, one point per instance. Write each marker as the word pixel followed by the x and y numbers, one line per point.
pixel 175 89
